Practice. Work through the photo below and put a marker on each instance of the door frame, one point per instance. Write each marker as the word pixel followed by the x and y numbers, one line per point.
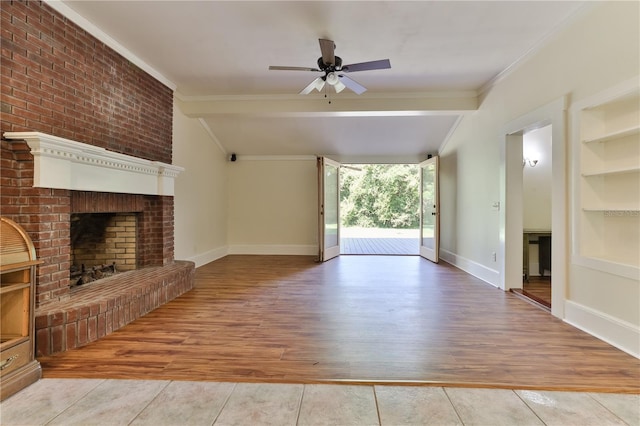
pixel 432 255
pixel 510 247
pixel 325 253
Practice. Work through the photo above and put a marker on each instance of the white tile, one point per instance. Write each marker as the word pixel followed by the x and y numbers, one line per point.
pixel 414 405
pixel 491 407
pixel 44 400
pixel 262 404
pixel 113 402
pixel 338 405
pixel 186 403
pixel 568 408
pixel 625 406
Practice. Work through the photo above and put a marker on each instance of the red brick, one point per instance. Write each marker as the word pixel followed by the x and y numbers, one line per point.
pixel 57 339
pixel 83 331
pixel 92 329
pixel 42 342
pixel 41 93
pixel 102 325
pixel 71 336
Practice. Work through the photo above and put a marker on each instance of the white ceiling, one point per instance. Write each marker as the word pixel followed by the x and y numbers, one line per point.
pixel 217 54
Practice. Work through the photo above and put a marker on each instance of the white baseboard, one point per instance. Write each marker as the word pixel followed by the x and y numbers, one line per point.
pixel 209 256
pixel 296 250
pixel 488 275
pixel 621 334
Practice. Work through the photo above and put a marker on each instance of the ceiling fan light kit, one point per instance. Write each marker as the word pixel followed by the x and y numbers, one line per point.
pixel 330 64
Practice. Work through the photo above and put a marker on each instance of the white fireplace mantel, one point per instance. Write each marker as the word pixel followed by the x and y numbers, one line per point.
pixel 65 164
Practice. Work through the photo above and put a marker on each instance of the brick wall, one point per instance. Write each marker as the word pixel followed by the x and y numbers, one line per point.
pixel 43 213
pixel 58 79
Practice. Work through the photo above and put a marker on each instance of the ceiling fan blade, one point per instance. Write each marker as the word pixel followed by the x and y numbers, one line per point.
pixel 353 85
pixel 272 67
pixel 317 84
pixel 367 66
pixel 327 47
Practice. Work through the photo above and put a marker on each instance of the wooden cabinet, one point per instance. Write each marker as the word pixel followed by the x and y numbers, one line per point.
pixel 606 130
pixel 18 367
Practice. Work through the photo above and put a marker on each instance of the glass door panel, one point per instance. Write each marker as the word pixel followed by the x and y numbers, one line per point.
pixel 429 211
pixel 329 191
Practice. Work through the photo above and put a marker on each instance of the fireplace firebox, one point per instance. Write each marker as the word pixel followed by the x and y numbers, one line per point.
pixel 102 244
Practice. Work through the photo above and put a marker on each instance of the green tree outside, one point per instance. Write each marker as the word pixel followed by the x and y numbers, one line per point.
pixel 380 196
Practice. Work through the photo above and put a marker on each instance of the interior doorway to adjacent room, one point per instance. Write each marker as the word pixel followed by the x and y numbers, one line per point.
pixel 536 217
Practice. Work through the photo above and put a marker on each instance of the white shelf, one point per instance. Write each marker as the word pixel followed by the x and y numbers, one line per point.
pixel 634 130
pixel 606 132
pixel 620 171
pixel 633 212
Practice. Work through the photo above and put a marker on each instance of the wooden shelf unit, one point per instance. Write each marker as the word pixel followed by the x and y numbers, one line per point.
pixel 606 133
pixel 18 367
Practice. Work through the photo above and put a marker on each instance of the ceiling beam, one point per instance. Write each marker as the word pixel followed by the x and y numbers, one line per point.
pixel 437 103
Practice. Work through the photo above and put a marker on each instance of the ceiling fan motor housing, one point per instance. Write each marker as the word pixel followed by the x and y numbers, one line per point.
pixel 330 67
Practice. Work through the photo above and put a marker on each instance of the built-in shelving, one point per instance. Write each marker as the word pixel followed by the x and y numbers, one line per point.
pixel 606 133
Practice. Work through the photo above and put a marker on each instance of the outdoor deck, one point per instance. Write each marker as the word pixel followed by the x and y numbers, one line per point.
pixel 399 246
pixel 379 241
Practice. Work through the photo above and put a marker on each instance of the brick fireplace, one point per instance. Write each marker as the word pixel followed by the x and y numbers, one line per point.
pixel 140 226
pixel 76 116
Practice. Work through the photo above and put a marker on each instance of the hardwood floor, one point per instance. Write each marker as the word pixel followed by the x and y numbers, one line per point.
pixel 356 319
pixel 539 289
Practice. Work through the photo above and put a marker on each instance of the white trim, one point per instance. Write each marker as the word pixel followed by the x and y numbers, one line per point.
pixel 379 159
pixel 369 95
pixel 276 158
pixel 212 135
pixel 268 249
pixel 88 26
pixel 488 275
pixel 452 130
pixel 553 113
pixel 65 164
pixel 209 256
pixel 619 90
pixel 610 267
pixel 621 334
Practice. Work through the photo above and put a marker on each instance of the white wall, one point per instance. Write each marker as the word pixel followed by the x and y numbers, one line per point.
pixel 536 181
pixel 600 49
pixel 273 206
pixel 200 192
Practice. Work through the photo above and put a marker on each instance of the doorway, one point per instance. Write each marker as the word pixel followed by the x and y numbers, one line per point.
pixel 380 209
pixel 510 205
pixel 536 215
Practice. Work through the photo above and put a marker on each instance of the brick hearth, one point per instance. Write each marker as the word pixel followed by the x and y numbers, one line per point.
pixel 97 309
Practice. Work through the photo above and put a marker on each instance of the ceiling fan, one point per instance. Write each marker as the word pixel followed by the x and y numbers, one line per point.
pixel 331 64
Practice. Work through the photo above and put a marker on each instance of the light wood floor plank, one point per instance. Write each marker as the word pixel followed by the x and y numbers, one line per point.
pixel 357 319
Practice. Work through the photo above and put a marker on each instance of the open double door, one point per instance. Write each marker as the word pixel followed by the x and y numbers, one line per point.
pixel 329 209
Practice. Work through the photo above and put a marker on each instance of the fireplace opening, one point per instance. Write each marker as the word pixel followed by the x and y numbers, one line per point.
pixel 102 244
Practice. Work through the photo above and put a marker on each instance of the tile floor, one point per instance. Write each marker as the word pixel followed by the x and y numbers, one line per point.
pixel 147 402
